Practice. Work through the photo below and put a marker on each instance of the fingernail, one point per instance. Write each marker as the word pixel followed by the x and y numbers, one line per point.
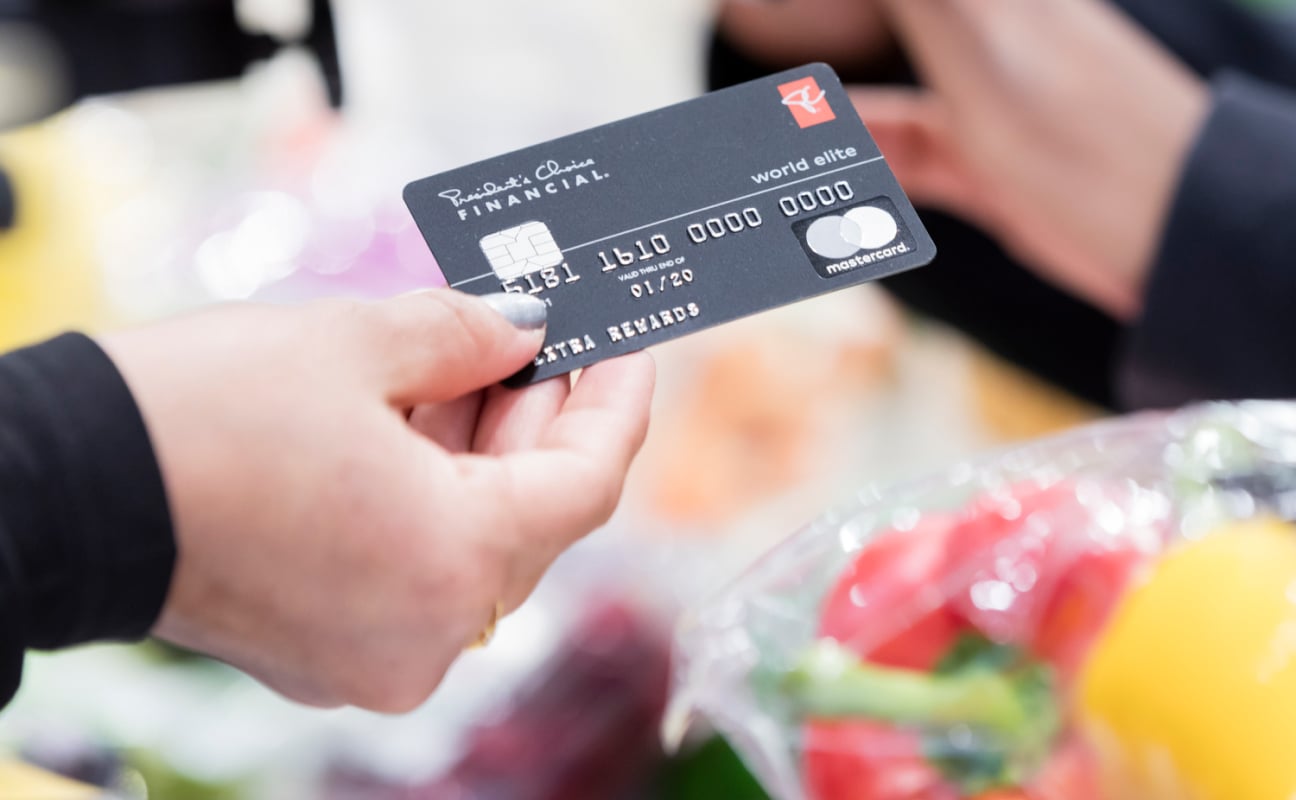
pixel 525 312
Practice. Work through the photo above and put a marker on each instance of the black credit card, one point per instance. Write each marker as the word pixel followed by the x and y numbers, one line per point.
pixel 657 226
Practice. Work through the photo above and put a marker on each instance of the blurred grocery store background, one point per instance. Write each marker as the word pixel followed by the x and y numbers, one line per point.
pixel 277 177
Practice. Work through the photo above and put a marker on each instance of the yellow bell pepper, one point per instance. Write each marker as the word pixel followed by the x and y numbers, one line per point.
pixel 1191 692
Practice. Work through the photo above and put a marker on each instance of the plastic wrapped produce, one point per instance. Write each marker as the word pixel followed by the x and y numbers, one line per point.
pixel 1106 614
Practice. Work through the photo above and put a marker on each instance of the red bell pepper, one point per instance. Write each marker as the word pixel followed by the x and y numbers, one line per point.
pixel 1031 574
pixel 871 611
pixel 887 606
pixel 1014 574
pixel 1005 557
pixel 1080 606
pixel 1071 773
pixel 870 761
pixel 1007 700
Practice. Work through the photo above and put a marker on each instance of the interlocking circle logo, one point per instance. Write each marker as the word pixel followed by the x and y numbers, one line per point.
pixel 864 228
pixel 854 238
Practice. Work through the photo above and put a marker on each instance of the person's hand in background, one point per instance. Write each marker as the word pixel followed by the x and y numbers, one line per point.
pixel 1058 127
pixel 789 33
pixel 349 505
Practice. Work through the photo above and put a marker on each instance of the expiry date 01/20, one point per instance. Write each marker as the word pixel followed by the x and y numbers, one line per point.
pixel 660 284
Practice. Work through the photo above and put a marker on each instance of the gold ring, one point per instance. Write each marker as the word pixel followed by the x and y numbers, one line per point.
pixel 488 633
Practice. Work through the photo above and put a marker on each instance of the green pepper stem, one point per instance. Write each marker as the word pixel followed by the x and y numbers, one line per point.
pixel 831 683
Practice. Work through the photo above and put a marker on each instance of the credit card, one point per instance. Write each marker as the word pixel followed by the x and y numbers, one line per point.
pixel 644 230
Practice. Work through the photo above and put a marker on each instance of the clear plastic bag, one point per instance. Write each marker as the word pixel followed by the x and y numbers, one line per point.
pixel 992 631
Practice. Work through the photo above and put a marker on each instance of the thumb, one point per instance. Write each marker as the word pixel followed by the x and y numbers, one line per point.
pixel 440 344
pixel 913 131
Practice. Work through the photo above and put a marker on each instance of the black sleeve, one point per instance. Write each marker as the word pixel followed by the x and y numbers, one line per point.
pixel 1219 317
pixel 1213 35
pixel 86 546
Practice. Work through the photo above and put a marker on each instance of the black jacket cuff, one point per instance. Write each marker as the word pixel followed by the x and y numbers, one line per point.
pixel 1219 311
pixel 86 543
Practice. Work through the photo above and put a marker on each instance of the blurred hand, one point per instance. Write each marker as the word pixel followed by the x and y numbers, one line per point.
pixel 788 33
pixel 349 505
pixel 1056 126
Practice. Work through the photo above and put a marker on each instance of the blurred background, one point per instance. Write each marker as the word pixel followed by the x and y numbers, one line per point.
pixel 168 154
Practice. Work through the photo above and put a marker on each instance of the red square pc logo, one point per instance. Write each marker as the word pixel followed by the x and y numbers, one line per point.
pixel 807 102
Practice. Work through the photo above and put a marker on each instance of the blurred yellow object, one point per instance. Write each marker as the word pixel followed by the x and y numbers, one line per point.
pixel 1192 690
pixel 21 782
pixel 48 281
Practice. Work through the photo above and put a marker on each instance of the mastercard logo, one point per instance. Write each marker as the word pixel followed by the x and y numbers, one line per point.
pixel 839 236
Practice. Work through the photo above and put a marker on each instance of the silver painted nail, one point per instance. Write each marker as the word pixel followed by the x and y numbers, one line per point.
pixel 525 312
